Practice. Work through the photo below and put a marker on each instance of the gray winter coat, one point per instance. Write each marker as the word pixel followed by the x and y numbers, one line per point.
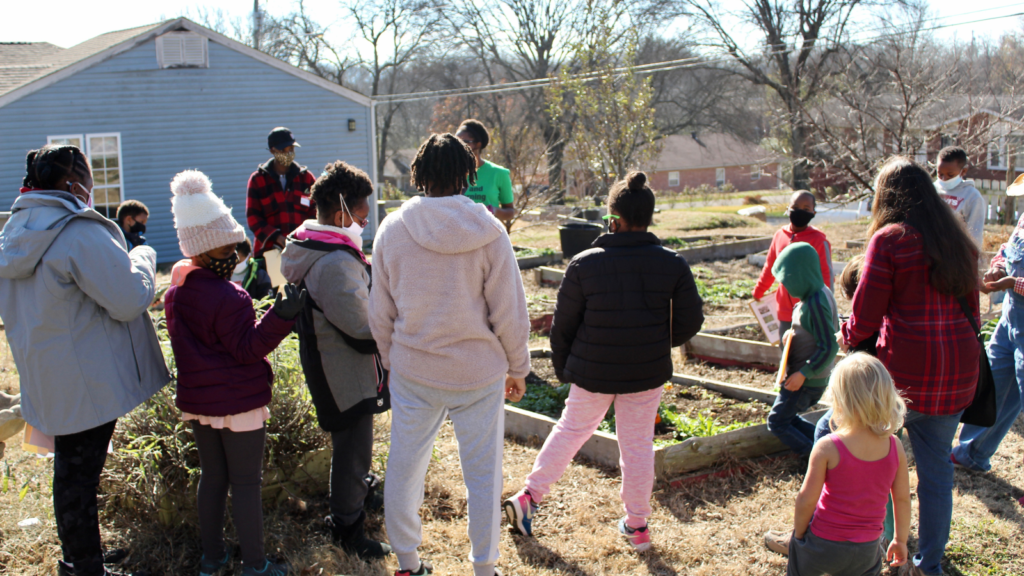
pixel 340 286
pixel 74 303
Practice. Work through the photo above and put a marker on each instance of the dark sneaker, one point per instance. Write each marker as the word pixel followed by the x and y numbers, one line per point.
pixel 374 502
pixel 352 539
pixel 208 567
pixel 269 569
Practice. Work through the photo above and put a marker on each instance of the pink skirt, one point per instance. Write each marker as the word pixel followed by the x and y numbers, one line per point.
pixel 244 422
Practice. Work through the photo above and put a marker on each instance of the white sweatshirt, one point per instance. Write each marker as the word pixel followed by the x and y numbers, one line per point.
pixel 968 202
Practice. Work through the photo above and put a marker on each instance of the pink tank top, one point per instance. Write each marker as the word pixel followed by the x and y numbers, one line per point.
pixel 852 503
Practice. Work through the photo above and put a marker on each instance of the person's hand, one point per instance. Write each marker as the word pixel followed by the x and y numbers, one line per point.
pixel 1004 283
pixel 843 346
pixel 897 553
pixel 289 302
pixel 514 388
pixel 993 274
pixel 794 382
pixel 281 241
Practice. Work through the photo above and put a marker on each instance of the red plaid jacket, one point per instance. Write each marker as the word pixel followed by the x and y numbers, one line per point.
pixel 272 211
pixel 924 339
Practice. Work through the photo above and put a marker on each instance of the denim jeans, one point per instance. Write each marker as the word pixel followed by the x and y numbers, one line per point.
pixel 930 440
pixel 978 444
pixel 785 422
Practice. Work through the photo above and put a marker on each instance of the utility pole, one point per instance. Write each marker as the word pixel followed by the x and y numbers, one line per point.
pixel 257 24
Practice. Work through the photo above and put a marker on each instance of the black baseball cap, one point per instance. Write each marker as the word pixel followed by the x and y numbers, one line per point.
pixel 281 138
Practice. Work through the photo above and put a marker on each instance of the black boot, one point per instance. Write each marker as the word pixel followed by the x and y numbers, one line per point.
pixel 352 539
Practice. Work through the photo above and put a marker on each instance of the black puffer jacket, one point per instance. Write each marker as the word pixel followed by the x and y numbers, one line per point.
pixel 611 332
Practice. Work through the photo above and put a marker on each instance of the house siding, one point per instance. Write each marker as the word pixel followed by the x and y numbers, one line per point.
pixel 212 119
pixel 738 176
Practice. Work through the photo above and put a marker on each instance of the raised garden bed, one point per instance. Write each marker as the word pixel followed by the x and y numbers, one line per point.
pixel 533 257
pixel 722 406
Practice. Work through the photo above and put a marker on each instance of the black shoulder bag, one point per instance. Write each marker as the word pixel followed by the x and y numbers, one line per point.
pixel 982 411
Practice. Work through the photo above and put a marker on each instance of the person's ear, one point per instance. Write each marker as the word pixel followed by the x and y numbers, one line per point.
pixel 963 172
pixel 339 219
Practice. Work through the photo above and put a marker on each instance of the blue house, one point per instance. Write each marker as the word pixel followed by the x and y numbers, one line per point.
pixel 146 103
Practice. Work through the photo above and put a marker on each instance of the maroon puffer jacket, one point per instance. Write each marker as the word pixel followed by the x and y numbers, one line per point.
pixel 219 348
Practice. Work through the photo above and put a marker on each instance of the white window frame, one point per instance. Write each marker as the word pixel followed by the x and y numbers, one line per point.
pixel 180 37
pixel 81 139
pixel 755 172
pixel 673 177
pixel 719 177
pixel 120 165
pixel 999 144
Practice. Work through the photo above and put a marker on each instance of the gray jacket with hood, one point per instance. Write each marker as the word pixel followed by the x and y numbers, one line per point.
pixel 74 303
pixel 339 284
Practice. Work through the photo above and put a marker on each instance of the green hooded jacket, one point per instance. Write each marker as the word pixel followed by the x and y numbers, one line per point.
pixel 815 318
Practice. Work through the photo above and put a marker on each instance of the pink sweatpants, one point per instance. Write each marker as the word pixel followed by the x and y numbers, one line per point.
pixel 634 426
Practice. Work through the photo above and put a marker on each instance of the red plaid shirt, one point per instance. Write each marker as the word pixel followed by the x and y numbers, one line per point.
pixel 271 210
pixel 924 339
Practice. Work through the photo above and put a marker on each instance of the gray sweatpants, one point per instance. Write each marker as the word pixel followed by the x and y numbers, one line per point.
pixel 814 556
pixel 417 413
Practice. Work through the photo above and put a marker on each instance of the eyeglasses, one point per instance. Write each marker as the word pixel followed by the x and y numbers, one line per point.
pixel 607 216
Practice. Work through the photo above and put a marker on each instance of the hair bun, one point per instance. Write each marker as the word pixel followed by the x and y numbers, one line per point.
pixel 636 180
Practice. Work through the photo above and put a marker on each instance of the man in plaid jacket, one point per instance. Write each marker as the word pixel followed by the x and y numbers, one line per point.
pixel 278 199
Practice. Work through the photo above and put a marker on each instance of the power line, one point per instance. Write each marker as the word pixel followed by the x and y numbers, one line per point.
pixel 663 66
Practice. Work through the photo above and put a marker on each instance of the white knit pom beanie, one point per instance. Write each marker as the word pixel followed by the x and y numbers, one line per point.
pixel 201 218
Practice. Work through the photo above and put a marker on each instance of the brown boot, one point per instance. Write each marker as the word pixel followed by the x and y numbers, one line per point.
pixel 778 541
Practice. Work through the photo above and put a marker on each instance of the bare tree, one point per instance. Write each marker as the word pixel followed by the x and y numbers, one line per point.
pixel 799 43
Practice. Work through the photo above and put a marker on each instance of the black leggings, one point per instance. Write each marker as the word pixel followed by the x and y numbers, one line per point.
pixel 232 459
pixel 77 463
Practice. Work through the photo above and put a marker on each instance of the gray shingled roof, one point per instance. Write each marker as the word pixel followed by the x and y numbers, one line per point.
pixel 712 150
pixel 22 63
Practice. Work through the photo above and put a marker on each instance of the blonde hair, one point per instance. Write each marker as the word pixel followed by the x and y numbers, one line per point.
pixel 861 391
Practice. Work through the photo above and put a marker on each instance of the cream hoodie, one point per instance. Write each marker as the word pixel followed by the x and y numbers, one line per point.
pixel 447 307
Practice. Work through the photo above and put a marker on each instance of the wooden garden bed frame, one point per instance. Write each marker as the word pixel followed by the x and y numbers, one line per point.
pixel 678 459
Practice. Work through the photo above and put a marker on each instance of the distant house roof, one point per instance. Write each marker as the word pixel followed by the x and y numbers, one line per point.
pixel 399 164
pixel 715 150
pixel 30 66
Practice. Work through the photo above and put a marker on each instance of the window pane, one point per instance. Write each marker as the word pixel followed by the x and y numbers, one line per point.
pixel 99 177
pixel 99 196
pixel 97 162
pixel 113 176
pixel 114 195
pixel 96 147
pixel 112 161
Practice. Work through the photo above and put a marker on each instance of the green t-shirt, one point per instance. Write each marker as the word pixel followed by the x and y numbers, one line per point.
pixel 493 186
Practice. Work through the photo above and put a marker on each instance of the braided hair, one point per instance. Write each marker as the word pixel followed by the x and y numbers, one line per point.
pixel 442 162
pixel 478 130
pixel 49 167
pixel 633 200
pixel 340 182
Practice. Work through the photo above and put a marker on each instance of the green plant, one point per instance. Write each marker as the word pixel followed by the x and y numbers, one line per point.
pixel 702 425
pixel 989 328
pixel 544 399
pixel 154 471
pixel 533 252
pixel 719 294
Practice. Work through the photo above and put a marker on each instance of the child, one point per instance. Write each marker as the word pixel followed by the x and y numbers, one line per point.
pixel 132 216
pixel 223 374
pixel 338 353
pixel 622 307
pixel 1006 272
pixel 448 313
pixel 813 350
pixel 837 522
pixel 249 274
pixel 801 210
pixel 960 194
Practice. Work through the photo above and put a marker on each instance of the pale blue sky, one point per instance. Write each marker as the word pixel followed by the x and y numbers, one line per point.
pixel 68 22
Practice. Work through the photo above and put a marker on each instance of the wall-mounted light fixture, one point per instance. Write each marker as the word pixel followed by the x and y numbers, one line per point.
pixel 351 124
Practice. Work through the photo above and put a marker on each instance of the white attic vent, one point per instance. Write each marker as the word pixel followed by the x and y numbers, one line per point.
pixel 182 50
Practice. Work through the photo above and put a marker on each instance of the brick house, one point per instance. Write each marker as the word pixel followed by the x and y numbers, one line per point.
pixel 989 137
pixel 714 159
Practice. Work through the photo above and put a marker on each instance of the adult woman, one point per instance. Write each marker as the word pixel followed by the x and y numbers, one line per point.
pixel 493 186
pixel 918 278
pixel 74 302
pixel 448 313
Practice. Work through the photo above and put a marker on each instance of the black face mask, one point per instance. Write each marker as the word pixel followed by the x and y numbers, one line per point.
pixel 223 267
pixel 800 218
pixel 137 228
